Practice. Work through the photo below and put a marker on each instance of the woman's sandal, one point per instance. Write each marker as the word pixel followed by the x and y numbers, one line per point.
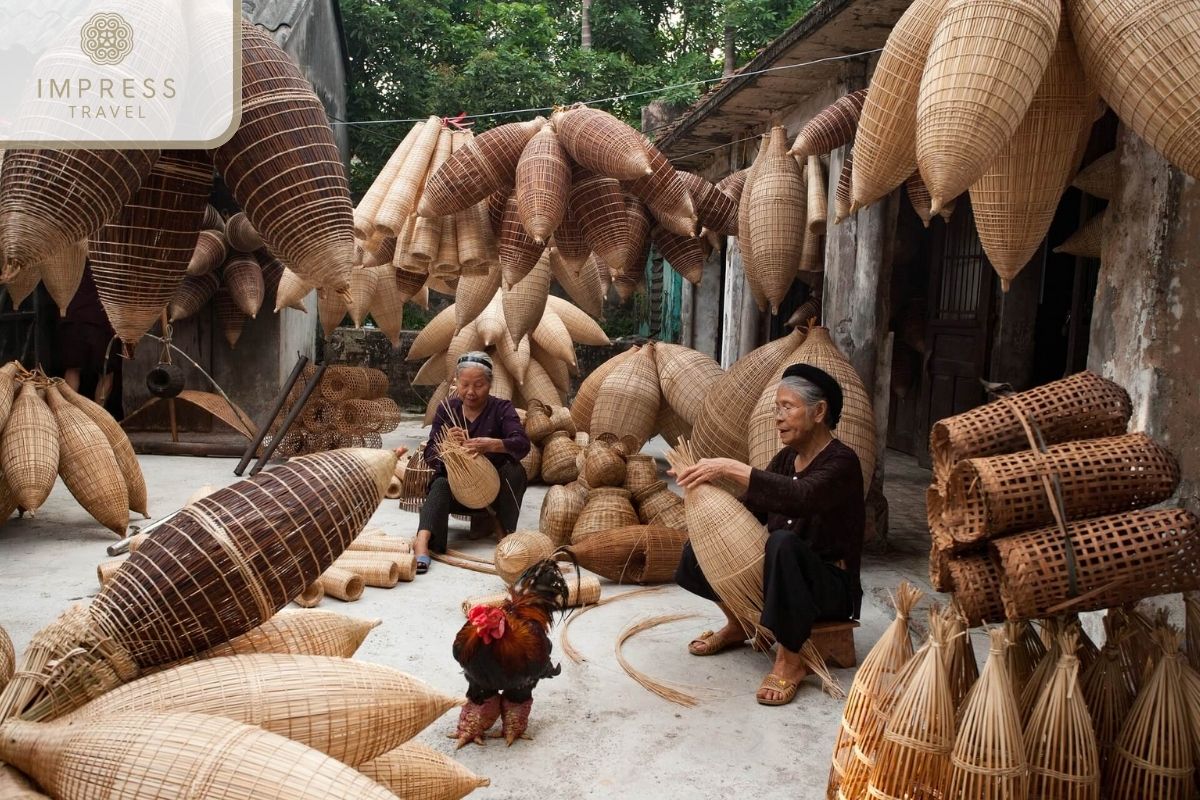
pixel 422 564
pixel 708 649
pixel 783 686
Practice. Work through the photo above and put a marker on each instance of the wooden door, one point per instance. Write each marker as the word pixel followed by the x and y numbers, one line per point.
pixel 957 336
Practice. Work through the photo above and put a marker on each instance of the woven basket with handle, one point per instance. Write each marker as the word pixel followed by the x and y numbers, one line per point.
pixel 284 168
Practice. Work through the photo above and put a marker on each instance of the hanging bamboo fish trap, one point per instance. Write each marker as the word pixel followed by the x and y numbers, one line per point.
pixel 193 585
pixel 62 273
pixel 683 253
pixel 1060 744
pixel 601 142
pixel 543 182
pixel 831 128
pixel 598 205
pixel 1088 240
pixel 243 277
pixel 1100 178
pixel 628 400
pixel 583 329
pixel 518 251
pixel 582 284
pixel 208 254
pixel 665 195
pixel 717 211
pixel 485 164
pixel 241 233
pixel 733 183
pixel 525 302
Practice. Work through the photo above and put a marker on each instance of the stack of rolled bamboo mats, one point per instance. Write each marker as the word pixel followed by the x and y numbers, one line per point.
pixel 185 650
pixel 1041 505
pixel 1049 715
pixel 47 431
pixel 351 408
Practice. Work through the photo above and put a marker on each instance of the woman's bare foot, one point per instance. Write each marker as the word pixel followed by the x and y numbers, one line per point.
pixel 729 636
pixel 790 670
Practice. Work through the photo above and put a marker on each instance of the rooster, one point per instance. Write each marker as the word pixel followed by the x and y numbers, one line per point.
pixel 504 651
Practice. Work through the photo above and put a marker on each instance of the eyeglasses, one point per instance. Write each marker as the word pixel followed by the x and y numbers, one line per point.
pixel 784 409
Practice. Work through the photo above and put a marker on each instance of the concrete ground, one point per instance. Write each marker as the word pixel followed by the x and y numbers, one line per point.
pixel 596 732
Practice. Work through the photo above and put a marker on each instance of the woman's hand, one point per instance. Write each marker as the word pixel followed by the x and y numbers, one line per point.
pixel 456 436
pixel 484 444
pixel 709 470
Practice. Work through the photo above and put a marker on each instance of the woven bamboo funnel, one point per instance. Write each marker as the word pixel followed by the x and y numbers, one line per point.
pixel 1060 744
pixel 229 759
pixel 417 771
pixel 960 657
pixel 518 551
pixel 312 596
pixel 989 752
pixel 342 584
pixel 350 710
pixel 106 569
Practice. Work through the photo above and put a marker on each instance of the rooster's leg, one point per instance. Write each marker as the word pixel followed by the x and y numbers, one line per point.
pixel 475 719
pixel 514 715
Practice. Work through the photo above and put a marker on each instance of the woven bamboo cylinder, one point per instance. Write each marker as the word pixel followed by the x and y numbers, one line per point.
pixel 993 496
pixel 1135 51
pixel 543 183
pixel 603 465
pixel 350 710
pixel 841 194
pixel 400 198
pixel 628 400
pixel 519 253
pixel 525 301
pixel 54 198
pixel 585 397
pixel 1082 406
pixel 343 383
pixel 560 511
pixel 985 63
pixel 1015 199
pixel 599 206
pixel 368 206
pixel 1060 744
pixel 474 481
pixel 379 542
pixel 136 755
pixel 240 233
pixel 581 284
pixel 1118 559
pixel 729 544
pixel 976 581
pixel 314 633
pixel 118 441
pixel 446 263
pixel 1087 241
pixel 518 551
pixel 88 465
pixel 312 596
pixel 30 449
pixel 418 772
pixel 831 128
pixel 989 751
pixel 641 554
pixel 104 572
pixel 62 273
pixel 341 583
pixel 918 740
pixel 721 426
pixel 1153 756
pixel 885 143
pixel 606 508
pixel 482 166
pixel 582 591
pixel 378 569
pixel 1100 178
pixel 862 718
pixel 243 278
pixel 685 377
pixel 284 168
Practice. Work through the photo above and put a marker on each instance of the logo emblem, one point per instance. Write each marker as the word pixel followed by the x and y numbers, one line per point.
pixel 106 39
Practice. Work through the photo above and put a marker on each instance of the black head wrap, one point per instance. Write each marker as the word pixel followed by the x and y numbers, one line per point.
pixel 826 384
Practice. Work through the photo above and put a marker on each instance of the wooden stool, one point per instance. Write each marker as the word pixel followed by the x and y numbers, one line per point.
pixel 835 642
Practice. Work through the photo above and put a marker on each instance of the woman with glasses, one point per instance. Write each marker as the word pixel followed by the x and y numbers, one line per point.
pixel 810 497
pixel 493 431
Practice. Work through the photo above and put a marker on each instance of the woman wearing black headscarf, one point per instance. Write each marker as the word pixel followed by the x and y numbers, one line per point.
pixel 810 497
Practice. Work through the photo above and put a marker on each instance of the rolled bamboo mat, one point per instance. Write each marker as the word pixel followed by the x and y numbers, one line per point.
pixel 584 591
pixel 312 596
pixel 342 584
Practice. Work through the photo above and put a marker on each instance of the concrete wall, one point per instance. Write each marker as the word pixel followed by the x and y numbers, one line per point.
pixel 1146 324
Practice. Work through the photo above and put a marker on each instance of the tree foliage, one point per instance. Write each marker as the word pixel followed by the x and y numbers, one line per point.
pixel 416 58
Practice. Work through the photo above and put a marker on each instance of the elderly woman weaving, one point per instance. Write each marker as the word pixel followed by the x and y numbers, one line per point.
pixel 810 497
pixel 493 431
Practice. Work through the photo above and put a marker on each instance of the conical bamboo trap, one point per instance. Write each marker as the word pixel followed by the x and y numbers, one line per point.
pixel 641 554
pixel 778 202
pixel 1060 744
pixel 685 376
pixel 88 465
pixel 831 128
pixel 29 448
pixel 312 633
pixel 518 551
pixel 62 273
pixel 585 398
pixel 418 772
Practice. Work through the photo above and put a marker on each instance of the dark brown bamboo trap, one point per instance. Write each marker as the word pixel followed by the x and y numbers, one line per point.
pixel 683 253
pixel 634 554
pixel 217 569
pixel 831 128
pixel 1099 562
pixel 599 207
pixel 601 142
pixel 284 168
pixel 476 170
pixel 243 277
pixel 976 581
pixel 665 195
pixel 1081 406
pixel 208 253
pixel 139 259
pixel 997 495
pixel 241 233
pixel 192 294
pixel 717 210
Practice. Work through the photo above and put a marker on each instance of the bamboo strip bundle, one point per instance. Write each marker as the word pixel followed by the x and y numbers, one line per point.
pixel 29 449
pixel 136 755
pixel 582 591
pixel 312 596
pixel 989 752
pixel 199 565
pixel 985 63
pixel 885 141
pixel 918 739
pixel 484 165
pixel 53 198
pixel 1136 51
pixel 863 718
pixel 1026 653
pixel 62 273
pixel 342 584
pixel 520 550
pixel 88 465
pixel 1060 745
pixel 416 772
pixel 1152 757
pixel 831 128
pixel 284 168
pixel 1027 695
pixel 131 470
pixel 1108 697
pixel 353 711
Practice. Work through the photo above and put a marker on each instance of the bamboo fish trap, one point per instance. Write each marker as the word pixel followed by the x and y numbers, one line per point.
pixel 989 753
pixel 312 633
pixel 518 551
pixel 351 710
pixel 417 772
pixel 118 440
pixel 685 376
pixel 88 465
pixel 633 554
pixel 474 481
pixel 560 511
pixel 203 578
pixel 585 397
pixel 135 756
pixel 1107 695
pixel 30 449
pixel 1060 744
pixel 7 658
pixel 601 142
